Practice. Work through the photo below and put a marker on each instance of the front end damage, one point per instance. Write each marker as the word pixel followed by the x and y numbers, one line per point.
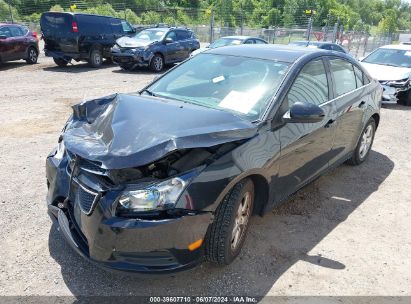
pixel 120 183
pixel 393 91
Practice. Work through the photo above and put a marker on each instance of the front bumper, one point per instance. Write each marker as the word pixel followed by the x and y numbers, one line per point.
pixel 132 245
pixel 137 59
pixel 391 93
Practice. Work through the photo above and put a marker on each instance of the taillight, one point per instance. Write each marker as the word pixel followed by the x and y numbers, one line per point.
pixel 34 34
pixel 74 27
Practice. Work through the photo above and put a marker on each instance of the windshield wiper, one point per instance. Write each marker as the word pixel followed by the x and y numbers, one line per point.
pixel 148 92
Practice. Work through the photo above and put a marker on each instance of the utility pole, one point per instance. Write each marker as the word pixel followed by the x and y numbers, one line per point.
pixel 11 13
pixel 310 12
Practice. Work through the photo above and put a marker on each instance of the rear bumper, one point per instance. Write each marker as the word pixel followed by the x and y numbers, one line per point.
pixel 63 55
pixel 146 247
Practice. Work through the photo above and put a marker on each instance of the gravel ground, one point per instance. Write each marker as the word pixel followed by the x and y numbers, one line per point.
pixel 348 233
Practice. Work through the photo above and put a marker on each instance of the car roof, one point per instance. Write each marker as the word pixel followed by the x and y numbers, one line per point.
pixel 238 37
pixel 284 53
pixel 315 42
pixel 405 47
pixel 81 14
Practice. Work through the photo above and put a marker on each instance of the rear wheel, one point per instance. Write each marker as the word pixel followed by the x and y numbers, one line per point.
pixel 32 55
pixel 61 62
pixel 157 63
pixel 96 58
pixel 364 144
pixel 225 237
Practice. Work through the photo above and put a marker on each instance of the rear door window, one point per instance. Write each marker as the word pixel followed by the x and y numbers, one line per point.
pixel 182 35
pixel 258 41
pixel 16 31
pixel 344 77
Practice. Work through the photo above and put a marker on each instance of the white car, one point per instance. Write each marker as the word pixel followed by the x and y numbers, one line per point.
pixel 391 66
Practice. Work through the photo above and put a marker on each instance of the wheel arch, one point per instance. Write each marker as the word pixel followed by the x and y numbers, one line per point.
pixel 376 118
pixel 261 191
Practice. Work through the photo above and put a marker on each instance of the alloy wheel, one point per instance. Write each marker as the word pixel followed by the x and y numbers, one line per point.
pixel 366 141
pixel 241 220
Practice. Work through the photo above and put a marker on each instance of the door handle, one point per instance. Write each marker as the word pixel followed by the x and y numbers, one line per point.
pixel 361 104
pixel 329 123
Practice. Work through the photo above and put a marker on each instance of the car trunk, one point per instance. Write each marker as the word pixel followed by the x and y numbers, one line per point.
pixel 59 32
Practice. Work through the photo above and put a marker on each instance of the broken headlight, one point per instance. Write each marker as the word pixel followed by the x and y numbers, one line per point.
pixel 158 196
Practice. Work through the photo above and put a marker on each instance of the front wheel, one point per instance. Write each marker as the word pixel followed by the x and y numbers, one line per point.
pixel 364 145
pixel 32 55
pixel 157 63
pixel 225 237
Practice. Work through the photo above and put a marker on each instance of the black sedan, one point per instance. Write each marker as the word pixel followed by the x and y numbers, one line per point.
pixel 156 181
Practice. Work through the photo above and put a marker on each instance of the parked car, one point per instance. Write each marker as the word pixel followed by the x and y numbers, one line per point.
pixel 81 37
pixel 231 40
pixel 391 66
pixel 154 47
pixel 155 181
pixel 321 45
pixel 18 42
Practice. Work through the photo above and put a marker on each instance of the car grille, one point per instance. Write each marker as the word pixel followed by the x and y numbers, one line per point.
pixel 91 167
pixel 86 200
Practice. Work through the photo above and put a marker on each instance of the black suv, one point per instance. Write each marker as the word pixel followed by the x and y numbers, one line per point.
pixel 154 47
pixel 86 37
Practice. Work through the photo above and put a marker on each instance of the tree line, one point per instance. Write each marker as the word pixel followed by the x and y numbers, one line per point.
pixel 384 16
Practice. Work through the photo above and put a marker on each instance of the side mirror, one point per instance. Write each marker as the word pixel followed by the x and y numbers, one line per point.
pixel 2 37
pixel 304 112
pixel 168 40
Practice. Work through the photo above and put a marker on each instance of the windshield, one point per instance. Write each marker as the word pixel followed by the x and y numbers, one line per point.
pixel 391 57
pixel 150 35
pixel 236 84
pixel 224 42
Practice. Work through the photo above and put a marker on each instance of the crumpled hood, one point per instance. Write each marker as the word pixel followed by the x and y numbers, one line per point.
pixel 128 42
pixel 385 72
pixel 122 131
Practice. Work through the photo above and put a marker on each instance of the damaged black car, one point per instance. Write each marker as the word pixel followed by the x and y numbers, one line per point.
pixel 157 181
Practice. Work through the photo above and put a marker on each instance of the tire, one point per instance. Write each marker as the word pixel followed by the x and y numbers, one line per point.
pixel 96 58
pixel 126 67
pixel 157 63
pixel 365 142
pixel 222 244
pixel 32 55
pixel 60 62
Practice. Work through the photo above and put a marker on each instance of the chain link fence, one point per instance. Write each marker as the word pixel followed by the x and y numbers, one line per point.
pixel 209 25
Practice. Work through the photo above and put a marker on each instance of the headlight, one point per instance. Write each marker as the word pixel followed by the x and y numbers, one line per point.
pixel 160 196
pixel 60 150
pixel 115 48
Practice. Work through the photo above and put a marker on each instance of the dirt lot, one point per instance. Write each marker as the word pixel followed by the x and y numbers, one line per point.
pixel 346 234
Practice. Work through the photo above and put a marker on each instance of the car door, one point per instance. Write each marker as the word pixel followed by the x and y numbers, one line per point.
pixel 21 42
pixel 186 43
pixel 7 44
pixel 351 98
pixel 306 147
pixel 173 48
